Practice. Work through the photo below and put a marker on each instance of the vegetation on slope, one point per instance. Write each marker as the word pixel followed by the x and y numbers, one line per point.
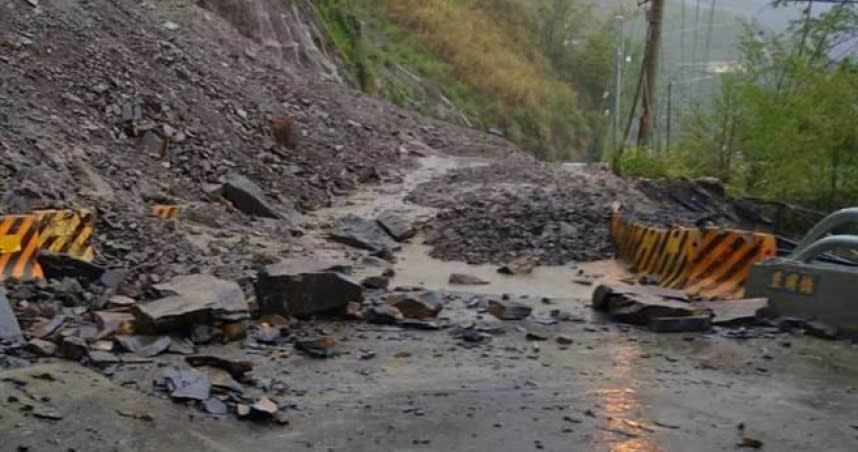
pixel 535 70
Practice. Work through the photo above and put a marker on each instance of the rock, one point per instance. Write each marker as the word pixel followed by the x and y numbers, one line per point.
pixel 734 312
pixel 10 330
pixel 215 406
pixel 114 322
pixel 60 266
pixel 821 330
pixel 101 358
pixel 699 323
pixel 119 301
pixel 283 131
pixel 418 324
pixel 202 334
pixel 172 26
pixel 317 347
pixel 383 314
pixel 263 408
pixel 396 225
pixel 564 340
pixel 463 279
pixel 376 282
pixel 521 266
pixel 509 310
pixel 299 290
pixel 145 346
pixel 234 331
pixel 92 184
pixel 42 347
pixel 153 144
pixel 198 299
pixel 242 410
pixel 221 380
pixel 627 304
pixel 248 197
pixel 416 305
pixel 354 311
pixel 369 235
pixel 236 368
pixel 44 412
pixel 536 336
pixel 186 384
pixel 72 348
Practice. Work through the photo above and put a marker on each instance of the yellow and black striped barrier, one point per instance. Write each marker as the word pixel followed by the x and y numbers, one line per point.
pixel 19 244
pixel 166 212
pixel 67 232
pixel 707 263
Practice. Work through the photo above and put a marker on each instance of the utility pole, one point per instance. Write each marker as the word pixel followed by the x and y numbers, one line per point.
pixel 618 90
pixel 656 13
pixel 669 111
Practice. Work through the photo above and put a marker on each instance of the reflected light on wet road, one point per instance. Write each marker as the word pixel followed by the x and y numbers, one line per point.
pixel 624 431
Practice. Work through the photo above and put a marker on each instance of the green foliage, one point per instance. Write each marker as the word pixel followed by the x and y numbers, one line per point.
pixel 783 127
pixel 640 162
pixel 489 59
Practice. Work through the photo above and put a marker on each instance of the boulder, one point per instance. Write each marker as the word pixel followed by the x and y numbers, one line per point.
pixel 300 290
pixel 383 314
pixel 248 197
pixel 369 235
pixel 397 225
pixel 416 305
pixel 631 304
pixel 192 299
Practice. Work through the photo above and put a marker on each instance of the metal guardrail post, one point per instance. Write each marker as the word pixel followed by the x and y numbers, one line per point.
pixel 836 219
pixel 809 253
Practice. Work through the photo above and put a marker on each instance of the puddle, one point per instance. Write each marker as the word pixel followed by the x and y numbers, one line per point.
pixel 415 267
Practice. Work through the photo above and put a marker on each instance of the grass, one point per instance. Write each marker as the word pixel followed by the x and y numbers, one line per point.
pixel 481 54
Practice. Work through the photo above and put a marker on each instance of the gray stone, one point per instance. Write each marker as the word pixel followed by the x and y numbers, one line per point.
pixel 628 304
pixel 10 330
pixel 395 224
pixel 42 347
pixel 317 347
pixel 694 323
pixel 521 266
pixel 369 235
pixel 102 358
pixel 195 299
pixel 186 384
pixel 92 184
pixel 463 279
pixel 248 197
pixel 145 346
pixel 215 406
pixel 376 282
pixel 301 290
pixel 73 348
pixel 509 310
pixel 734 312
pixel 416 305
pixel 383 314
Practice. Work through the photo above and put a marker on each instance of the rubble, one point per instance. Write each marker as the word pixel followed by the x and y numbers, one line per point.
pixel 463 279
pixel 416 305
pixel 735 312
pixel 144 346
pixel 365 234
pixel 300 290
pixel 42 347
pixel 238 369
pixel 690 323
pixel 72 348
pixel 383 314
pixel 396 225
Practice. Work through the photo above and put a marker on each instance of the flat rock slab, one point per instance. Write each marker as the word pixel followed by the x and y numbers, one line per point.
pixel 10 330
pixel 248 197
pixel 628 304
pixel 397 225
pixel 365 234
pixel 734 312
pixel 186 384
pixel 195 299
pixel 282 289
